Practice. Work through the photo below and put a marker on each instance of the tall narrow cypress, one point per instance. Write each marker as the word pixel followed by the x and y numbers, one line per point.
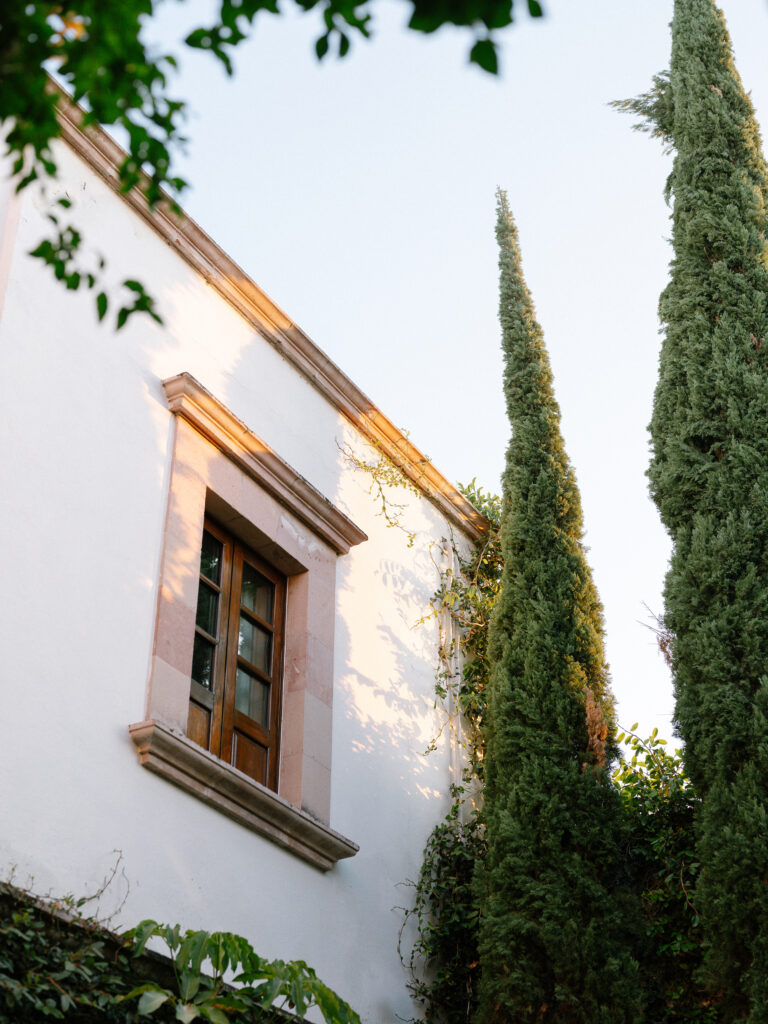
pixel 709 478
pixel 551 935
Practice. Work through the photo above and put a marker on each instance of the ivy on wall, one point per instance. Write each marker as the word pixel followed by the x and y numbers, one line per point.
pixel 443 961
pixel 56 964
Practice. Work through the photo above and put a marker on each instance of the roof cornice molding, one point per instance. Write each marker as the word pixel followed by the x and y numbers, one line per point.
pixel 104 156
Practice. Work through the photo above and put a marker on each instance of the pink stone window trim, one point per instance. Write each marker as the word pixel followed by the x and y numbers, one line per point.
pixel 182 762
pixel 222 469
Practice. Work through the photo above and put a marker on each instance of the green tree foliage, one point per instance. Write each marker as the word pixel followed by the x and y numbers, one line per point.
pixel 50 969
pixel 551 891
pixel 660 807
pixel 709 478
pixel 98 53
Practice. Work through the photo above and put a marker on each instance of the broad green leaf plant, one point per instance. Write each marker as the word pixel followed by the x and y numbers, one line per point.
pixel 219 977
pixel 57 964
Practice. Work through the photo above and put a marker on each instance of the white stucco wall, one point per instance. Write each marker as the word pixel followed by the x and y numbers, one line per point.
pixel 84 465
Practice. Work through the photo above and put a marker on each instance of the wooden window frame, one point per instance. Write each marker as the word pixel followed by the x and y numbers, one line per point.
pixel 225 722
pixel 219 468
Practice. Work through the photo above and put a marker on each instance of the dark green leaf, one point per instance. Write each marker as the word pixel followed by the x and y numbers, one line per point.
pixel 321 46
pixel 483 53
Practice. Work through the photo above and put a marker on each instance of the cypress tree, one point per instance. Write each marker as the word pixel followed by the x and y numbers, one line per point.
pixel 709 478
pixel 551 935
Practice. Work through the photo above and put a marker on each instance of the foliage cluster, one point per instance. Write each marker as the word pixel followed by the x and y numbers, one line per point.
pixel 556 853
pixel 660 807
pixel 466 597
pixel 659 864
pixel 218 976
pixel 97 51
pixel 52 968
pixel 443 961
pixel 57 965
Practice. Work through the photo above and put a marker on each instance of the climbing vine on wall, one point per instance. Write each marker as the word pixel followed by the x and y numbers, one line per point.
pixel 383 475
pixel 443 960
pixel 466 596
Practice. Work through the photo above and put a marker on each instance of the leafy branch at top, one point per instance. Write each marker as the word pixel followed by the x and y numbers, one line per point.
pixel 97 52
pixel 343 18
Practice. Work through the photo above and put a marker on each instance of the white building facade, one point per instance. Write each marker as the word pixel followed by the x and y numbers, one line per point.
pixel 211 668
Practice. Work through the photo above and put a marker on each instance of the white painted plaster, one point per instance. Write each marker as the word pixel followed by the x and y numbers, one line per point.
pixel 86 448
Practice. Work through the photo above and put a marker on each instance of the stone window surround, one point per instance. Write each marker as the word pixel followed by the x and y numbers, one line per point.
pixel 220 468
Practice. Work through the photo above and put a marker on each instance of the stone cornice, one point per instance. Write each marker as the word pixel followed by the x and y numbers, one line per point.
pixel 104 156
pixel 190 400
pixel 178 759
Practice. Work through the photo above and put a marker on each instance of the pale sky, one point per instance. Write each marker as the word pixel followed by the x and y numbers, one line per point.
pixel 359 194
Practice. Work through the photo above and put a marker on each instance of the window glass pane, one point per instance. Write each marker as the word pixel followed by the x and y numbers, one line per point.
pixel 202 662
pixel 207 608
pixel 257 593
pixel 255 645
pixel 252 697
pixel 210 557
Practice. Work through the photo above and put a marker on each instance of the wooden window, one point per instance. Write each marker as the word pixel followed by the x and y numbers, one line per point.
pixel 234 701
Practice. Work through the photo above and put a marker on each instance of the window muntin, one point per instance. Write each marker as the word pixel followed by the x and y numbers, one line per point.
pixel 234 705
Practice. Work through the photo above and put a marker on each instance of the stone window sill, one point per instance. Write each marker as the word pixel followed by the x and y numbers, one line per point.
pixel 195 770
